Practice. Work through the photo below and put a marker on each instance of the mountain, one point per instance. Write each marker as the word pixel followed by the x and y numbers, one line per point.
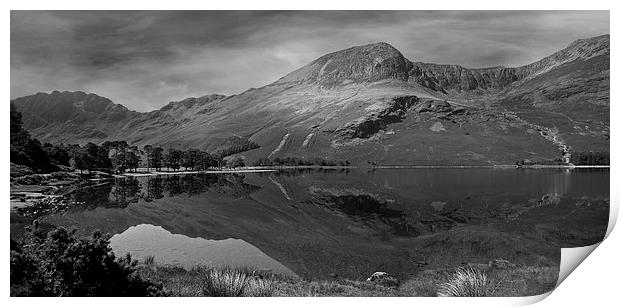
pixel 71 116
pixel 370 103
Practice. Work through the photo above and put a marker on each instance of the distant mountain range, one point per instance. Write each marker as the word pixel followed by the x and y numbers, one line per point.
pixel 369 103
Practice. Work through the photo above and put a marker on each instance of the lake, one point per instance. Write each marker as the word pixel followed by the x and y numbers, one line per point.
pixel 346 223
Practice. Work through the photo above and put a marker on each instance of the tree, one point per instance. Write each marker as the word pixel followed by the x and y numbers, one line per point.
pixel 235 162
pixel 156 158
pixel 184 160
pixel 79 158
pixel 24 149
pixel 57 153
pixel 133 158
pixel 19 136
pixel 173 159
pixel 148 149
pixel 91 157
pixel 204 160
pixel 118 154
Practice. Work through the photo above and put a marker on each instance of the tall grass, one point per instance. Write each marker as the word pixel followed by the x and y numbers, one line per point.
pixel 232 282
pixel 466 282
pixel 258 287
pixel 149 260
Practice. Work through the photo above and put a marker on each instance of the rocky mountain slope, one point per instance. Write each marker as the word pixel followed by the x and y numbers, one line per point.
pixel 370 103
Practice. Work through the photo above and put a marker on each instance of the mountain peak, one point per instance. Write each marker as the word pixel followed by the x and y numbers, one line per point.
pixel 581 49
pixel 589 47
pixel 359 64
pixel 59 107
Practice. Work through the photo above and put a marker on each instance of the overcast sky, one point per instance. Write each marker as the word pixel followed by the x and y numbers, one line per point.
pixel 143 60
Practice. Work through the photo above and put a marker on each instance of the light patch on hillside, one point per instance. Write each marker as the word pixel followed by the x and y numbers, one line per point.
pixel 280 146
pixel 437 127
pixel 377 106
pixel 438 205
pixel 307 140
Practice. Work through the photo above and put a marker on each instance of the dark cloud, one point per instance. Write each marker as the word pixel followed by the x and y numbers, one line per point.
pixel 143 59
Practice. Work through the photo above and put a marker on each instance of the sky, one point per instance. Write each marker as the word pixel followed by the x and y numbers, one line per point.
pixel 145 59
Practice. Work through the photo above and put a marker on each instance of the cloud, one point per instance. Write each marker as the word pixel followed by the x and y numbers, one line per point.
pixel 144 59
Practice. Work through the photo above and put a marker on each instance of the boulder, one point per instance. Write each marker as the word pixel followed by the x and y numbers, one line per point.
pixel 384 279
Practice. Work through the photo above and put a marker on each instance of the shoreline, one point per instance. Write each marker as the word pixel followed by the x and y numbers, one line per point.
pixel 160 173
pixel 267 169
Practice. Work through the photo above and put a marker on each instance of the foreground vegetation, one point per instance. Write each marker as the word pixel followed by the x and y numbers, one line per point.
pixel 55 262
pixel 58 263
pixel 460 282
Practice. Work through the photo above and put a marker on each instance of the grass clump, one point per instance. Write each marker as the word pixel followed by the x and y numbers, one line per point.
pixel 231 282
pixel 149 260
pixel 258 287
pixel 466 282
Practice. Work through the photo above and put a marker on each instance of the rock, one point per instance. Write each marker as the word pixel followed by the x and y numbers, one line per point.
pixel 550 199
pixel 333 275
pixel 501 264
pixel 384 279
pixel 393 112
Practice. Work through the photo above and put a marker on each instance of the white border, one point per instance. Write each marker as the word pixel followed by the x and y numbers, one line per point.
pixel 595 281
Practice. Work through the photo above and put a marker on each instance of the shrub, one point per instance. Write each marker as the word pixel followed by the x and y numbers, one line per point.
pixel 58 263
pixel 466 282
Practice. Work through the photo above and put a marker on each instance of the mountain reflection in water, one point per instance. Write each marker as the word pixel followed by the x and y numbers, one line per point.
pixel 146 240
pixel 347 223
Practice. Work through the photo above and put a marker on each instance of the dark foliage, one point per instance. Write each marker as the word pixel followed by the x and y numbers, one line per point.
pixel 58 153
pixel 235 162
pixel 590 158
pixel 557 161
pixel 235 145
pixel 26 150
pixel 58 263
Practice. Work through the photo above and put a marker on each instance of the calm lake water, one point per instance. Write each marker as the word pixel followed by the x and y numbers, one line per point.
pixel 345 223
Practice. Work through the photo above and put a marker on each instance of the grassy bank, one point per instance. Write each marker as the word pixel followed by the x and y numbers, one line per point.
pixel 484 280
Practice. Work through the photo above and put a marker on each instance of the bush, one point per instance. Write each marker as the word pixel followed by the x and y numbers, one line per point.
pixel 466 282
pixel 58 263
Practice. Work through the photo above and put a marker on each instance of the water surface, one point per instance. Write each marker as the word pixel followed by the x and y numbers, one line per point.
pixel 346 223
